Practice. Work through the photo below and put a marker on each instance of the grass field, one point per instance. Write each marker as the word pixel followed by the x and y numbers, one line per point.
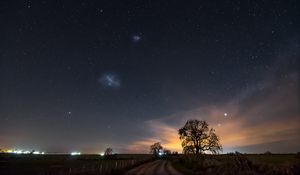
pixel 13 164
pixel 271 159
pixel 239 164
pixel 275 159
pixel 67 164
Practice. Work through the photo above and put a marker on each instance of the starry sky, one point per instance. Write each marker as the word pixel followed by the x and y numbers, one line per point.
pixel 85 75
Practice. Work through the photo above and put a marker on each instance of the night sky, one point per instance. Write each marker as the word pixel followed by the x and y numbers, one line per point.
pixel 85 75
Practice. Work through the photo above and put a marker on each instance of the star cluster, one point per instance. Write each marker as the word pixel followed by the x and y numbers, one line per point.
pixel 110 80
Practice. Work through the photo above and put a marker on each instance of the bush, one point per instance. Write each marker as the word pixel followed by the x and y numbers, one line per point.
pixel 268 153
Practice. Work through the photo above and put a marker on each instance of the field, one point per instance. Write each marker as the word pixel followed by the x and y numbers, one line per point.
pixel 239 164
pixel 67 164
pixel 274 159
pixel 11 164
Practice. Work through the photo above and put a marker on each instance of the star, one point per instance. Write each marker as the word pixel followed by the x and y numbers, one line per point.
pixel 29 4
pixel 100 11
pixel 225 114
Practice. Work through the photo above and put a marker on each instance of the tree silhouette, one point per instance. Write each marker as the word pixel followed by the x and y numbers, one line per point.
pixel 197 138
pixel 167 152
pixel 155 148
pixel 108 151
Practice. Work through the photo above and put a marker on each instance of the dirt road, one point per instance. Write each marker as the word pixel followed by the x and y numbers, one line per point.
pixel 158 167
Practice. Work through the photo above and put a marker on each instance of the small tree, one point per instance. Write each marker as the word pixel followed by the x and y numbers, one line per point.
pixel 108 151
pixel 175 153
pixel 167 152
pixel 197 138
pixel 155 148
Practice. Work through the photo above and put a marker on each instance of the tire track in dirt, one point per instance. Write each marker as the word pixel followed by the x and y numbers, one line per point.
pixel 158 167
pixel 145 169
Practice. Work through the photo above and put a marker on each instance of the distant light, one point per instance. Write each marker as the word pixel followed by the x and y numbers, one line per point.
pixel 225 114
pixel 36 152
pixel 102 154
pixel 75 153
pixel 160 153
pixel 26 152
pixel 18 151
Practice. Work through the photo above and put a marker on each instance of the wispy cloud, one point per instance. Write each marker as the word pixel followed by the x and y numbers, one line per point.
pixel 263 115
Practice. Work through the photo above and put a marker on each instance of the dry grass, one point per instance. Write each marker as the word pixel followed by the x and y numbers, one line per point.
pixel 254 164
pixel 66 164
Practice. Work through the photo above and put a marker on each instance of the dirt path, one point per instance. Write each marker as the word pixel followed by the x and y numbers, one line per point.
pixel 158 167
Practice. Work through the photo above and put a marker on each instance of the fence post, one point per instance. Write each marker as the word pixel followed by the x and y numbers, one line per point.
pixel 100 169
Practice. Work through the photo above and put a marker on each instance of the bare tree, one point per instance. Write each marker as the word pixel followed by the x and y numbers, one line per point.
pixel 155 148
pixel 108 151
pixel 197 138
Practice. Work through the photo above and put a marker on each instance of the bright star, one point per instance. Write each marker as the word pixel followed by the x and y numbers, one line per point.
pixel 225 114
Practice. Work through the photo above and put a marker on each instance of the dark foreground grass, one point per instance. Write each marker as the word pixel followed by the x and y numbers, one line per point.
pixel 65 164
pixel 274 159
pixel 255 164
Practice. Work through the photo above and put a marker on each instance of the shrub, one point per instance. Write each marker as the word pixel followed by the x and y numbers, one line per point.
pixel 268 153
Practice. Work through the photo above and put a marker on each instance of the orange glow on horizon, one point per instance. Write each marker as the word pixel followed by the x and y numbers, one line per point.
pixel 233 133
